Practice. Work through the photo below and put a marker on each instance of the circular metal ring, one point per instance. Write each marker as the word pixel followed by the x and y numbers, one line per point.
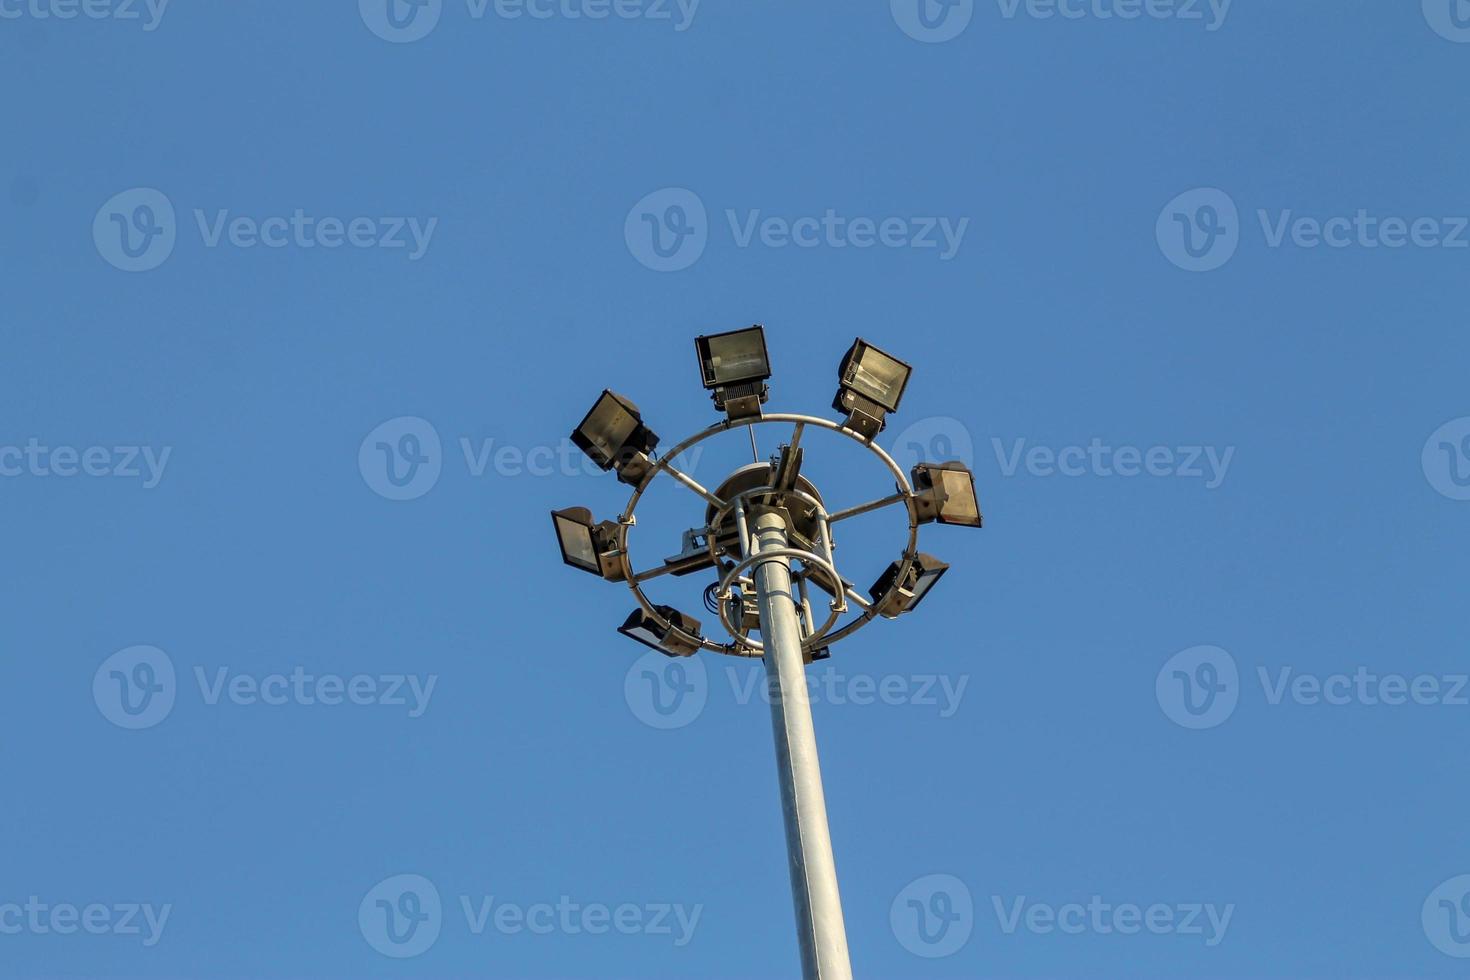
pixel 750 561
pixel 660 465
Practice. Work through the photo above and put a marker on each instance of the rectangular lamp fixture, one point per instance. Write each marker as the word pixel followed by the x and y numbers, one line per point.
pixel 733 358
pixel 613 436
pixel 873 374
pixel 946 493
pixel 682 641
pixel 924 571
pixel 586 545
pixel 735 366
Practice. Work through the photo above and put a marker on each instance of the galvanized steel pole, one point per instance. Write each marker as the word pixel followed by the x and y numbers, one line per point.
pixel 820 929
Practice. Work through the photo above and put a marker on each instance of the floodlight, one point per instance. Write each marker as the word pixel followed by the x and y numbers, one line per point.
pixel 875 375
pixel 945 492
pixel 735 366
pixel 681 641
pixel 923 572
pixel 588 546
pixel 613 436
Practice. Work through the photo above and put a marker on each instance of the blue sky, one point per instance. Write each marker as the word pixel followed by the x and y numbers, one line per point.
pixel 1183 282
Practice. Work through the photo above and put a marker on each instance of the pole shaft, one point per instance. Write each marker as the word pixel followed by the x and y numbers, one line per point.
pixel 819 926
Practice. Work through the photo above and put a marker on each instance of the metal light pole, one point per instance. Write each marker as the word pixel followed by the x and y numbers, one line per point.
pixel 819 926
pixel 757 522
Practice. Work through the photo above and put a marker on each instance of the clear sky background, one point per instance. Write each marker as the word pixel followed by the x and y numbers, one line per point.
pixel 1091 748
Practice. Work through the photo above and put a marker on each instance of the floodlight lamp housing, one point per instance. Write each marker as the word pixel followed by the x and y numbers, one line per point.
pixel 680 641
pixel 874 374
pixel 733 367
pixel 864 416
pixel 923 572
pixel 588 546
pixel 945 493
pixel 614 437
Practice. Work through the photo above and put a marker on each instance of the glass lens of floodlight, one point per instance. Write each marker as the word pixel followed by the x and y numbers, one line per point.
pixel 736 357
pixel 608 427
pixel 925 583
pixel 877 376
pixel 576 543
pixel 643 634
pixel 960 505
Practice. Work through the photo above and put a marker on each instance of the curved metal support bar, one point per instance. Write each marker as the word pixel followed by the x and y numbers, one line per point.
pixel 750 561
pixel 801 422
